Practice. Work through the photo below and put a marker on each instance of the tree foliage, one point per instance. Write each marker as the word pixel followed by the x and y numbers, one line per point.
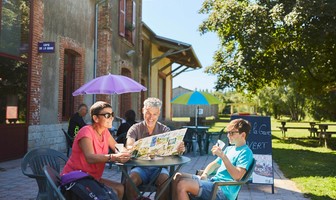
pixel 322 107
pixel 282 101
pixel 14 30
pixel 273 42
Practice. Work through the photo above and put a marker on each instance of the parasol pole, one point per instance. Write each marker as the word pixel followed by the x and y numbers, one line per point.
pixel 198 136
pixel 196 116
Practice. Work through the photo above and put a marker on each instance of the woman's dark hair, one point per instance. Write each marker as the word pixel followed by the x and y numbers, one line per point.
pixel 83 105
pixel 130 115
pixel 97 107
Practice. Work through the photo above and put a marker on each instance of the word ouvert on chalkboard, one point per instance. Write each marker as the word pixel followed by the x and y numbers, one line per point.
pixel 257 145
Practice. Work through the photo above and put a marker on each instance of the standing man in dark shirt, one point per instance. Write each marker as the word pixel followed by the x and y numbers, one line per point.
pixel 76 122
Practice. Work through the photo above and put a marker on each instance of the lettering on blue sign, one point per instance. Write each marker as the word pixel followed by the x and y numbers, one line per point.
pixel 262 130
pixel 46 47
pixel 257 145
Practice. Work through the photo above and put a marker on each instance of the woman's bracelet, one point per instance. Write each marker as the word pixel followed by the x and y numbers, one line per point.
pixel 109 158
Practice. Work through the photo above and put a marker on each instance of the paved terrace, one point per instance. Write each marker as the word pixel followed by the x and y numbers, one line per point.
pixel 14 185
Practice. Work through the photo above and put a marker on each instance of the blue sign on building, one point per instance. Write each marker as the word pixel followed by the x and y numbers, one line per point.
pixel 46 47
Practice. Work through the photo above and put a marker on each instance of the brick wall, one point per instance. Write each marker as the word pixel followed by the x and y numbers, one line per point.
pixel 50 136
pixel 36 64
pixel 104 51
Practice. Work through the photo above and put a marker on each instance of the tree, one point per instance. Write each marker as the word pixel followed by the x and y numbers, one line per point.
pixel 322 107
pixel 14 27
pixel 265 42
pixel 271 101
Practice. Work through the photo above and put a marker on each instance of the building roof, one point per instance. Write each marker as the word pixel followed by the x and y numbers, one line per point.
pixel 178 52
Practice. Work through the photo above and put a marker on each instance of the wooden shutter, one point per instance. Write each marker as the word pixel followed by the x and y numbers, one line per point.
pixel 122 17
pixel 134 14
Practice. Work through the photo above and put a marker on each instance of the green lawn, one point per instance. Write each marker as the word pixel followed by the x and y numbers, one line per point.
pixel 301 159
pixel 311 167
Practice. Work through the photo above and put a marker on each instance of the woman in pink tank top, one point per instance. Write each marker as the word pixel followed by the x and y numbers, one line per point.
pixel 90 150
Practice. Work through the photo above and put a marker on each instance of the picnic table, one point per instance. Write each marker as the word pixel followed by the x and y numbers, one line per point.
pixel 324 134
pixel 311 128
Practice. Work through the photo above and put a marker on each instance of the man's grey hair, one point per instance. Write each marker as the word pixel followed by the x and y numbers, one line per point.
pixel 152 102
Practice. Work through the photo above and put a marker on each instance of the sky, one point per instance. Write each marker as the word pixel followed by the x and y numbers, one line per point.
pixel 179 20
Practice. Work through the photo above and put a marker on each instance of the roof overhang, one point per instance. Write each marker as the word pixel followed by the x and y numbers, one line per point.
pixel 177 52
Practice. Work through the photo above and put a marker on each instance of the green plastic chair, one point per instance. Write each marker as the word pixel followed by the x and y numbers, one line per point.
pixel 53 183
pixel 69 141
pixel 212 137
pixel 33 162
pixel 244 180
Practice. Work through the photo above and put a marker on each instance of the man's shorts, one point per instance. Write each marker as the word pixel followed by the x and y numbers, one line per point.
pixel 148 173
pixel 205 190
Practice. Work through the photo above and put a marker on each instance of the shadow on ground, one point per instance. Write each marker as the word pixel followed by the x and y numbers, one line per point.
pixel 314 168
pixel 324 197
pixel 306 162
pixel 307 142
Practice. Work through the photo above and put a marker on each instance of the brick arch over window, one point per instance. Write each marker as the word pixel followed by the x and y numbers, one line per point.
pixel 125 99
pixel 71 75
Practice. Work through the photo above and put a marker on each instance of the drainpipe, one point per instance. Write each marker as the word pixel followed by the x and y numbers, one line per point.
pixel 149 73
pixel 96 42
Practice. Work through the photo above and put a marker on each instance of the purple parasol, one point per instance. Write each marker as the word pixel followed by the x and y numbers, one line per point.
pixel 110 84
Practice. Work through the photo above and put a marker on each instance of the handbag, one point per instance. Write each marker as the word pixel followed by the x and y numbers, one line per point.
pixel 78 185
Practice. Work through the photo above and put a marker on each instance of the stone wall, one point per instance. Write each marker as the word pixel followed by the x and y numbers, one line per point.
pixel 47 136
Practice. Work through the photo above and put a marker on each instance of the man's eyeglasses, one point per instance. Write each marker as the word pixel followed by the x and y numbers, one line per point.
pixel 107 115
pixel 232 132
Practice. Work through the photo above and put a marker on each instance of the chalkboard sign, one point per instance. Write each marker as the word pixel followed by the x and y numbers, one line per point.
pixel 260 137
pixel 260 142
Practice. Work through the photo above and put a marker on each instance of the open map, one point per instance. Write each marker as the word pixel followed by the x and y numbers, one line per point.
pixel 164 144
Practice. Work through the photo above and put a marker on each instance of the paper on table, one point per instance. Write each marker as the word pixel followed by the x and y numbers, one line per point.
pixel 164 144
pixel 221 144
